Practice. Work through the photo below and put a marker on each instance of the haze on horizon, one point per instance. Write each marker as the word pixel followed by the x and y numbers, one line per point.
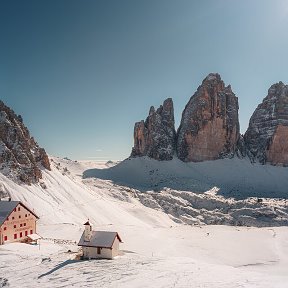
pixel 82 73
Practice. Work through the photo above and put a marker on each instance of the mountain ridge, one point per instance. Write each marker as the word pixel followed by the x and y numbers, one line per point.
pixel 21 158
pixel 210 129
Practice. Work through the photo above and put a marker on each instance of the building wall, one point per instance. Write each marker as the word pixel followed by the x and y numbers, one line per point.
pixel 115 248
pixel 91 252
pixel 20 223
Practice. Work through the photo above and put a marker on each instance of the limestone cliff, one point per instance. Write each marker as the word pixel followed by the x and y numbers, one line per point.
pixel 266 138
pixel 156 136
pixel 209 126
pixel 20 156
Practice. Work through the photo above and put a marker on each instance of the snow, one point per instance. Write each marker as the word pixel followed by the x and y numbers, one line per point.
pixel 157 251
pixel 235 177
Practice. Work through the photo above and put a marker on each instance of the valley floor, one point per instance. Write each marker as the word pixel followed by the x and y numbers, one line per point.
pixel 158 250
pixel 209 256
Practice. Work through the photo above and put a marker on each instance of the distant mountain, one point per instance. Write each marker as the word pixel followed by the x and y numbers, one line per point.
pixel 156 137
pixel 20 156
pixel 266 138
pixel 209 127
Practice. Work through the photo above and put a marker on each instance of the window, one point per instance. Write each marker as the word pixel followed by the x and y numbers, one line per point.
pixel 14 226
pixel 20 234
pixel 19 216
pixel 98 250
pixel 21 225
pixel 18 208
pixel 14 209
pixel 15 236
pixel 5 228
pixel 24 224
pixel 31 231
pixel 25 215
pixel 5 238
pixel 26 233
pixel 12 218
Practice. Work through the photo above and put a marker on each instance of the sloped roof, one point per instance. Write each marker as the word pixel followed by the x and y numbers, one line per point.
pixel 6 207
pixel 102 239
pixel 34 236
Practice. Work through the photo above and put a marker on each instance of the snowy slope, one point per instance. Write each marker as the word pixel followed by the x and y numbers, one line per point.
pixel 235 177
pixel 157 251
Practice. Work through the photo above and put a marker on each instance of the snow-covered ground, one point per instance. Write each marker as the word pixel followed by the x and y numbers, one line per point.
pixel 159 250
pixel 234 177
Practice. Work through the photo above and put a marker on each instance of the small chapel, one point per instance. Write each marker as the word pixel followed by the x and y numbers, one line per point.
pixel 99 244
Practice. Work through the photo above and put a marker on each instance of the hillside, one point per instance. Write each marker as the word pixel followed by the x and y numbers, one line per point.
pixel 232 177
pixel 158 252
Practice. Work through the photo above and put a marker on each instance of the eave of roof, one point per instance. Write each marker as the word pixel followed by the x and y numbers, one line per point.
pixel 29 210
pixel 92 246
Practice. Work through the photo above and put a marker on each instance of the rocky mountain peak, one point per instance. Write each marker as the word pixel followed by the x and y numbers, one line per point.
pixel 20 156
pixel 209 127
pixel 156 136
pixel 212 77
pixel 267 134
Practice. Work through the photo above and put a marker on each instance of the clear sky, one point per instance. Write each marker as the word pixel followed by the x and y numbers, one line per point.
pixel 81 73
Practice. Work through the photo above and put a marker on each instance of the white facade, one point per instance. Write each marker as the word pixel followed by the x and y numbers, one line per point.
pixel 98 252
pixel 99 244
pixel 20 223
pixel 87 232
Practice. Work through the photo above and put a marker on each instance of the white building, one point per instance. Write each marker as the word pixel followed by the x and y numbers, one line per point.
pixel 99 244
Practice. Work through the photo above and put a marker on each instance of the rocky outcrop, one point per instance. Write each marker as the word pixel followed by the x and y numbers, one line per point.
pixel 209 126
pixel 266 138
pixel 20 156
pixel 156 137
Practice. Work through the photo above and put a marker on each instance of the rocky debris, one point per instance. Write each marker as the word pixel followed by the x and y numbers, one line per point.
pixel 20 156
pixel 4 282
pixel 266 138
pixel 156 137
pixel 209 126
pixel 212 209
pixel 208 208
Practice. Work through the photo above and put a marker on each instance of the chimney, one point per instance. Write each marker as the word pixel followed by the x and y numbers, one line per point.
pixel 87 231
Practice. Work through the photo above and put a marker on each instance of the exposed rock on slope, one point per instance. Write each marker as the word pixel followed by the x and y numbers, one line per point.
pixel 20 156
pixel 156 136
pixel 209 126
pixel 267 135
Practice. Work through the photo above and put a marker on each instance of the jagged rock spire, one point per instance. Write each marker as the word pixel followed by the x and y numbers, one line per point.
pixel 156 136
pixel 209 126
pixel 20 155
pixel 266 138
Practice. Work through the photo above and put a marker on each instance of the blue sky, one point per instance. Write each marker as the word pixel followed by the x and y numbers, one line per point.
pixel 81 73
